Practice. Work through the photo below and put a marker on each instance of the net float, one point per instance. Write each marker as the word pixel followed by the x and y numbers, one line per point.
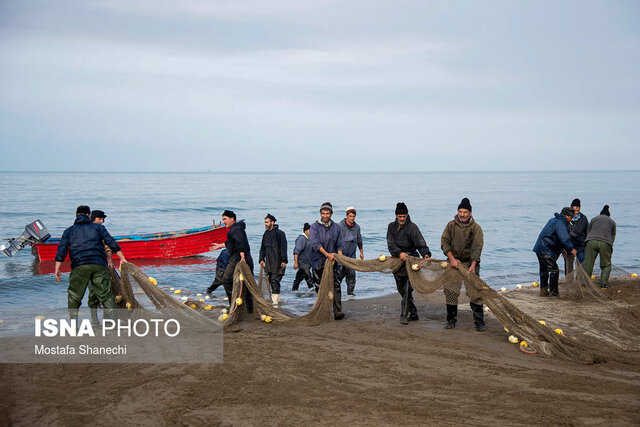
pixel 503 289
pixel 193 306
pixel 444 264
pixel 415 267
pixel 382 258
pixel 118 298
pixel 559 331
pixel 593 277
pixel 223 317
pixel 518 286
pixel 513 339
pixel 172 289
pixel 263 316
pixel 184 298
pixel 238 301
pixel 225 311
pixel 208 307
pixel 535 284
pixel 486 309
pixel 198 294
pixel 634 274
pixel 153 281
pixel 542 322
pixel 207 297
pixel 201 299
pixel 129 306
pixel 268 319
pixel 506 330
pixel 177 291
pixel 240 276
pixel 524 344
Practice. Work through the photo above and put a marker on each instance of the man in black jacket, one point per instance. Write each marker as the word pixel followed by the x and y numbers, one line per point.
pixel 273 256
pixel 239 251
pixel 83 242
pixel 578 234
pixel 404 239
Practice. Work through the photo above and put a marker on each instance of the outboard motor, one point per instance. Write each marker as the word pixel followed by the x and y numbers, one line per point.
pixel 33 233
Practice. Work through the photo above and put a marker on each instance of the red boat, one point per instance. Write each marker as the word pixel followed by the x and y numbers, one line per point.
pixel 173 244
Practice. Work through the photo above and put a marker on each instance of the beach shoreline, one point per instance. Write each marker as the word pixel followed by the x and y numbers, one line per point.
pixel 365 369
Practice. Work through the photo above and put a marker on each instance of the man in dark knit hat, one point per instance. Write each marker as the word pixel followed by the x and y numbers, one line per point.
pixel 326 240
pixel 600 238
pixel 578 233
pixel 552 240
pixel 273 256
pixel 239 251
pixel 302 259
pixel 405 239
pixel 462 241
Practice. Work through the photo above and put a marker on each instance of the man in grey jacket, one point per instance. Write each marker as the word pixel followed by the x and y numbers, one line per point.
pixel 352 241
pixel 600 238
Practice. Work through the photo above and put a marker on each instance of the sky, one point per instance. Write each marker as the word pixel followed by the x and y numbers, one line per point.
pixel 320 85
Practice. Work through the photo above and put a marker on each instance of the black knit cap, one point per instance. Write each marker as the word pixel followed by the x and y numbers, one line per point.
pixel 576 202
pixel 401 209
pixel 271 217
pixel 83 209
pixel 96 213
pixel 605 211
pixel 465 204
pixel 306 226
pixel 229 214
pixel 566 211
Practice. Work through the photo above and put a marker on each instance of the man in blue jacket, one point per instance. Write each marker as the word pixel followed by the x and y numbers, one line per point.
pixel 326 241
pixel 221 265
pixel 352 239
pixel 83 242
pixel 553 239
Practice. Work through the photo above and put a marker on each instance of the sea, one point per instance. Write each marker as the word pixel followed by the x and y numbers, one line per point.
pixel 511 207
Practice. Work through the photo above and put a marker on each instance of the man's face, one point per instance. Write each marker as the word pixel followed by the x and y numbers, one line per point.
pixel 228 221
pixel 576 210
pixel 569 217
pixel 351 218
pixel 98 220
pixel 464 214
pixel 402 218
pixel 325 215
pixel 306 232
pixel 268 224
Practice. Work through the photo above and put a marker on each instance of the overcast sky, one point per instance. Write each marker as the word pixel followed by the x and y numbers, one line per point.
pixel 320 85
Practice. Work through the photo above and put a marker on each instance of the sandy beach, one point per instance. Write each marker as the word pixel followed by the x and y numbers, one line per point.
pixel 367 369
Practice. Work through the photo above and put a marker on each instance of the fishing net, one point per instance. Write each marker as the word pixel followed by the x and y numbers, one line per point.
pixel 244 281
pixel 431 275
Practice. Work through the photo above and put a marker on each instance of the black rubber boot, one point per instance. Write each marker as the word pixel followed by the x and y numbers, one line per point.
pixel 452 316
pixel 478 317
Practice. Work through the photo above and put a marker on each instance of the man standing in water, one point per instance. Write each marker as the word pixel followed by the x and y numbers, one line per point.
pixel 462 241
pixel 352 240
pixel 602 234
pixel 83 242
pixel 405 239
pixel 302 259
pixel 553 238
pixel 273 256
pixel 326 241
pixel 98 217
pixel 239 251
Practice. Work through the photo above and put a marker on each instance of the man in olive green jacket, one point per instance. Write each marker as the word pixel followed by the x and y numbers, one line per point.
pixel 462 242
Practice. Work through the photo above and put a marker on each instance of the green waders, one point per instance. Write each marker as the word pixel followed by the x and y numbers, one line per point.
pixel 595 247
pixel 101 283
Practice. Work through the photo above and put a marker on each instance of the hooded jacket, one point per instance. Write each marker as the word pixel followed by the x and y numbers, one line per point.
pixel 273 250
pixel 351 237
pixel 406 238
pixel 463 240
pixel 83 242
pixel 329 237
pixel 237 239
pixel 554 237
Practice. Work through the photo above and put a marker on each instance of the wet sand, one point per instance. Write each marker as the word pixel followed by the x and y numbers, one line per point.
pixel 365 370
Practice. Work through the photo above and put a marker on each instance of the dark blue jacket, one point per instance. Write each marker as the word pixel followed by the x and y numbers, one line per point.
pixel 303 250
pixel 329 238
pixel 222 260
pixel 237 240
pixel 273 250
pixel 83 243
pixel 554 237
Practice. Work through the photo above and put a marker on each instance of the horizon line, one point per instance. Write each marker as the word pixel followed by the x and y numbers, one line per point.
pixel 333 171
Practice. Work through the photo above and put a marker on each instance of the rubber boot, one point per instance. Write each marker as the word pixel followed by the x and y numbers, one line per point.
pixel 404 306
pixel 452 316
pixel 94 317
pixel 337 304
pixel 544 291
pixel 275 300
pixel 478 317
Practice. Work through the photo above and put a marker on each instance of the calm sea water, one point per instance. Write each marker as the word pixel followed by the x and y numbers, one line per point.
pixel 511 207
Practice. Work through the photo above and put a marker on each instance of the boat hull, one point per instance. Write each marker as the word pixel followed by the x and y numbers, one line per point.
pixel 176 244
